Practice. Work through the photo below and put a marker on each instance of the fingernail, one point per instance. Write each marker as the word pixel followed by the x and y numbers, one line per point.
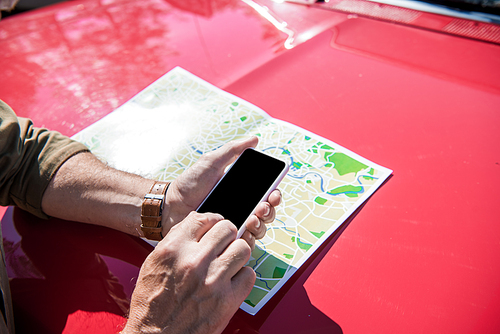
pixel 268 211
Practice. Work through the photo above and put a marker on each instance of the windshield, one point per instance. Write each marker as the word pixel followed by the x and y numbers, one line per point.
pixel 478 10
pixel 483 6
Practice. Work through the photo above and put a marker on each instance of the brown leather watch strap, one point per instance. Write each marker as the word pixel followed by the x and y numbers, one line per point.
pixel 152 207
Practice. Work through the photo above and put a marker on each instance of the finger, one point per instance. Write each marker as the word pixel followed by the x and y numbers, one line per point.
pixel 256 226
pixel 249 238
pixel 196 225
pixel 274 198
pixel 225 155
pixel 265 212
pixel 218 238
pixel 243 282
pixel 234 257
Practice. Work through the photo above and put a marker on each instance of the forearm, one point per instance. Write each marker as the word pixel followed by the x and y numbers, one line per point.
pixel 86 190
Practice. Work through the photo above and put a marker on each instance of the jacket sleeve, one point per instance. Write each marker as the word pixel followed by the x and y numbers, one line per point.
pixel 29 158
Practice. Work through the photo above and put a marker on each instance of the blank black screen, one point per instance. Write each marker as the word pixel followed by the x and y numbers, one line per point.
pixel 243 186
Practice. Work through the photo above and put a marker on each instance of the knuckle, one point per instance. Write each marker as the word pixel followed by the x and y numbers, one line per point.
pixel 164 252
pixel 191 263
pixel 227 227
pixel 197 216
pixel 244 249
pixel 200 219
pixel 212 285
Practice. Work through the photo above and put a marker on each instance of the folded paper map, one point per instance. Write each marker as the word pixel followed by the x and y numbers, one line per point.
pixel 188 117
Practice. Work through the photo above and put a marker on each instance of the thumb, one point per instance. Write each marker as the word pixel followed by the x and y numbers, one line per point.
pixel 225 155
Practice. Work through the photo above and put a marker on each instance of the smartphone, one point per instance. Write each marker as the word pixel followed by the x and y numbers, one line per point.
pixel 248 181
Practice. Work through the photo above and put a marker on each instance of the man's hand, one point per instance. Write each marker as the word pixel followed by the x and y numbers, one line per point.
pixel 194 280
pixel 187 192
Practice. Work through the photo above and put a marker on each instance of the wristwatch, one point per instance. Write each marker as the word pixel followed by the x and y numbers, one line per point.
pixel 152 207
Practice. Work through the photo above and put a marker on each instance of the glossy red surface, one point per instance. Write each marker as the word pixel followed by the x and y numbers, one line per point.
pixel 420 257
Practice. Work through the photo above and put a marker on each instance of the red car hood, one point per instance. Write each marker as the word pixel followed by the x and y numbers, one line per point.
pixel 416 92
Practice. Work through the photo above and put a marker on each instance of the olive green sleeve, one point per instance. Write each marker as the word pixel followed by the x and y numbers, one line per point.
pixel 29 158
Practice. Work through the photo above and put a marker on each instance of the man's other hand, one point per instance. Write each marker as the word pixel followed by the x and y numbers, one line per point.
pixel 194 280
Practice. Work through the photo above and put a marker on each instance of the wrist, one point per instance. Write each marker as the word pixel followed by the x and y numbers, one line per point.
pixel 168 216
